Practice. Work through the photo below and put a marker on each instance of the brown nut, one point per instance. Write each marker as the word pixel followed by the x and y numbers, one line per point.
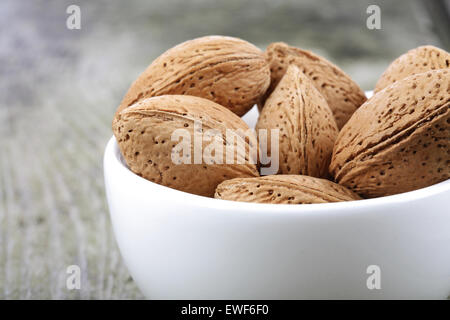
pixel 343 95
pixel 283 189
pixel 398 140
pixel 418 60
pixel 145 131
pixel 307 129
pixel 229 71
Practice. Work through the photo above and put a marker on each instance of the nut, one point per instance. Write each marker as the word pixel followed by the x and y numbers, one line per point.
pixel 145 131
pixel 287 189
pixel 226 70
pixel 343 95
pixel 398 140
pixel 307 126
pixel 418 60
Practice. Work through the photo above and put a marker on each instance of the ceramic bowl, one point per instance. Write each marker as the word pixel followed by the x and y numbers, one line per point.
pixel 182 246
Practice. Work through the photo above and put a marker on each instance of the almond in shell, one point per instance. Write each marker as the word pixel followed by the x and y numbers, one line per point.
pixel 307 129
pixel 229 71
pixel 399 139
pixel 283 189
pixel 418 60
pixel 343 95
pixel 145 134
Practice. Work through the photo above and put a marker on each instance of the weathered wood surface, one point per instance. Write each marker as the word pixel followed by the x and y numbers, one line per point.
pixel 59 89
pixel 53 211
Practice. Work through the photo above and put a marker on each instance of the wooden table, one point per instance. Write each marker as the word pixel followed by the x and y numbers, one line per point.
pixel 53 212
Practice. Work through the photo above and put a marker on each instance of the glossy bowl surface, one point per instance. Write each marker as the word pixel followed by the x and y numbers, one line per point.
pixel 182 246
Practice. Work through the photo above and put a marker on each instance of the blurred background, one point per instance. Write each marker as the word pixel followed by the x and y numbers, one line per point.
pixel 59 89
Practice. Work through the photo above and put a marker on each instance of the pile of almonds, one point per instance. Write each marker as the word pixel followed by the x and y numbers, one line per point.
pixel 333 143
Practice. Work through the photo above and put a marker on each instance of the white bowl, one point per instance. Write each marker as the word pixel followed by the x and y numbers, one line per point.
pixel 182 246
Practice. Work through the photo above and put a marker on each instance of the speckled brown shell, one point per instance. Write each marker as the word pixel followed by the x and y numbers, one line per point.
pixel 283 189
pixel 399 139
pixel 229 71
pixel 343 95
pixel 144 134
pixel 418 60
pixel 307 129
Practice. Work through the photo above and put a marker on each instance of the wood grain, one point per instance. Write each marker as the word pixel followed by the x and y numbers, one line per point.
pixel 53 211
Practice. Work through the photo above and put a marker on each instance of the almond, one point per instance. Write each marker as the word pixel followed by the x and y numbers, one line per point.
pixel 286 189
pixel 418 60
pixel 144 133
pixel 398 140
pixel 229 71
pixel 307 129
pixel 343 95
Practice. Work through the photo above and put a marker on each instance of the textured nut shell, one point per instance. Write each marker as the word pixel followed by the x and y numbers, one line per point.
pixel 343 95
pixel 288 189
pixel 306 123
pixel 226 70
pixel 418 60
pixel 398 140
pixel 144 132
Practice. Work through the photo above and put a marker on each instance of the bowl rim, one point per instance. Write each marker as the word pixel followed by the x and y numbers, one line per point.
pixel 113 157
